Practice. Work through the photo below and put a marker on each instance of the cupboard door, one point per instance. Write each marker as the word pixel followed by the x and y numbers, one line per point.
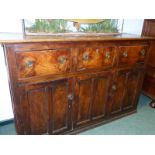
pixel 133 85
pixel 126 89
pixel 45 107
pixel 91 97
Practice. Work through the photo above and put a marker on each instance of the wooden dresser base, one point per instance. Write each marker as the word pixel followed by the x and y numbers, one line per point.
pixel 65 87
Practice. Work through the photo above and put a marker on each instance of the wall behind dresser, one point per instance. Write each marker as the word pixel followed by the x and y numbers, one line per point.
pixel 5 100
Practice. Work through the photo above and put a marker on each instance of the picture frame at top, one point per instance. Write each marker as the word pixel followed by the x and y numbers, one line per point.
pixel 67 27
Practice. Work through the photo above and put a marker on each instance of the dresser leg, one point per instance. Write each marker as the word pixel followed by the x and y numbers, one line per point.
pixel 152 104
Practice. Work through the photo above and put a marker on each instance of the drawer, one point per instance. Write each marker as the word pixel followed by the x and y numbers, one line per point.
pixel 131 55
pixel 89 58
pixel 47 62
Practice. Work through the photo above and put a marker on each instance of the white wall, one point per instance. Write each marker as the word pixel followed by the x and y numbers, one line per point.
pixel 5 100
pixel 133 26
pixel 11 25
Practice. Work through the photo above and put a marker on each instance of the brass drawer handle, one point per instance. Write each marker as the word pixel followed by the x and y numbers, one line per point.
pixel 107 55
pixel 29 64
pixel 86 56
pixel 114 88
pixel 125 54
pixel 62 59
pixel 142 52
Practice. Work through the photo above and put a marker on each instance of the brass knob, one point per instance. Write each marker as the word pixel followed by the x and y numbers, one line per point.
pixel 86 56
pixel 142 52
pixel 62 59
pixel 107 55
pixel 70 97
pixel 29 64
pixel 125 54
pixel 114 88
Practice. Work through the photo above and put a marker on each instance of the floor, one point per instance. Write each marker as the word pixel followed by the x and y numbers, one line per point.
pixel 140 123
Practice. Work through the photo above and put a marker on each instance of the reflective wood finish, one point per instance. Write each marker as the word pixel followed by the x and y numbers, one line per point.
pixel 66 87
pixel 39 63
pixel 131 55
pixel 89 58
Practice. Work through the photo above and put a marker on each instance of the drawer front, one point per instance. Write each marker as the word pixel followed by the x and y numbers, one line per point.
pixel 89 58
pixel 38 63
pixel 131 55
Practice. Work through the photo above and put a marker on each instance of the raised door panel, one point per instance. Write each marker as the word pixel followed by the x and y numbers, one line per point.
pixel 33 104
pixel 38 107
pixel 91 98
pixel 83 101
pixel 101 85
pixel 133 86
pixel 60 114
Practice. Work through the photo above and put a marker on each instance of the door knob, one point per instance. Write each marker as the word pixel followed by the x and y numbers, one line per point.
pixel 70 97
pixel 114 88
pixel 142 52
pixel 125 54
pixel 85 56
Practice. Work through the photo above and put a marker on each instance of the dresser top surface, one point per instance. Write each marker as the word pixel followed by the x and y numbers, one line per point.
pixel 19 38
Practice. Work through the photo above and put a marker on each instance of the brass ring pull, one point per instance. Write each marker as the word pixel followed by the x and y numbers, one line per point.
pixel 86 56
pixel 142 52
pixel 29 64
pixel 114 88
pixel 107 55
pixel 62 59
pixel 125 54
pixel 70 97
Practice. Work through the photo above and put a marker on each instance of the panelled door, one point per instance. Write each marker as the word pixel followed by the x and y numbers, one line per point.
pixel 125 90
pixel 91 98
pixel 46 107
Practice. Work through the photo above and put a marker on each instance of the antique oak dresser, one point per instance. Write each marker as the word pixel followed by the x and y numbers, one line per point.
pixel 65 85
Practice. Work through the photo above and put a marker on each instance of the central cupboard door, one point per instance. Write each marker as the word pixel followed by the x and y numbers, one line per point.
pixel 91 98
